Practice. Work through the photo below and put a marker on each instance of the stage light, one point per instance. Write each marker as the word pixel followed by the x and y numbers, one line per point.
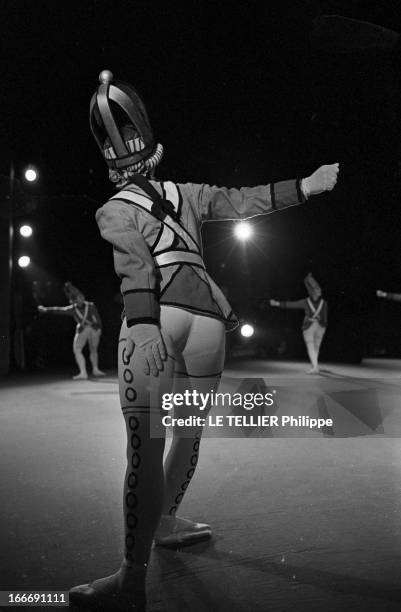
pixel 25 231
pixel 24 261
pixel 247 330
pixel 243 230
pixel 31 174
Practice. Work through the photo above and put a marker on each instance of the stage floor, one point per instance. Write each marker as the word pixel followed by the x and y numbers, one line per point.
pixel 300 523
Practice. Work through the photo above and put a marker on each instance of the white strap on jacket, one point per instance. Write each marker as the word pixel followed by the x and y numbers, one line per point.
pixel 83 316
pixel 172 194
pixel 176 257
pixel 315 311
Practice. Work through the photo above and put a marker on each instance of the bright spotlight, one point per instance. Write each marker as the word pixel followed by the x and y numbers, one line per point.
pixel 243 230
pixel 31 175
pixel 247 330
pixel 24 261
pixel 25 231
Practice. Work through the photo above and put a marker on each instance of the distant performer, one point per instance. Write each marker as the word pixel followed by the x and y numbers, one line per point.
pixel 88 329
pixel 396 297
pixel 315 320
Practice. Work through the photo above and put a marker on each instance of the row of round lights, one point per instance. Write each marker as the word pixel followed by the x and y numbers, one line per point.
pixel 243 231
pixel 26 231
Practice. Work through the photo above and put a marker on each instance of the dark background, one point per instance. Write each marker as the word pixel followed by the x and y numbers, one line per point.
pixel 238 95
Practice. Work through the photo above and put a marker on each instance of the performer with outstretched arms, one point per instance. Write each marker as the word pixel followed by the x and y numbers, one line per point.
pixel 174 321
pixel 315 320
pixel 88 329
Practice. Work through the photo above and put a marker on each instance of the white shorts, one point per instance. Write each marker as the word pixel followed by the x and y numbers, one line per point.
pixel 87 335
pixel 314 334
pixel 196 350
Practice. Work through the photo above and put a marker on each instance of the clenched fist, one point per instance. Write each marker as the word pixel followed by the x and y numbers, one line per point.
pixel 323 179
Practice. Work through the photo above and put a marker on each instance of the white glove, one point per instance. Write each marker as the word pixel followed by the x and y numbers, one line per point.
pixel 381 294
pixel 42 308
pixel 323 179
pixel 148 339
pixel 274 303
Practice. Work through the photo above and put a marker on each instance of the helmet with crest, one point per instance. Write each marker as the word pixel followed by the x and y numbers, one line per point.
pixel 121 127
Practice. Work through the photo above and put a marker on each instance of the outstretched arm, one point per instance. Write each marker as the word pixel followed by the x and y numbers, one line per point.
pixel 57 310
pixel 295 305
pixel 396 297
pixel 223 203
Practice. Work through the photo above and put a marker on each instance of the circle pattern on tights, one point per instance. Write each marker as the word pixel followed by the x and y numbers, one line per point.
pixel 190 473
pixel 184 485
pixel 130 394
pixel 129 541
pixel 132 521
pixel 179 497
pixel 132 480
pixel 196 446
pixel 136 460
pixel 133 423
pixel 128 376
pixel 172 510
pixel 135 441
pixel 194 459
pixel 131 500
pixel 124 357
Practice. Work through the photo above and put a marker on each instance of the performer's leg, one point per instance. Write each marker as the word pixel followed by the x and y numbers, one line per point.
pixel 143 484
pixel 94 339
pixel 318 338
pixel 310 347
pixel 203 361
pixel 78 344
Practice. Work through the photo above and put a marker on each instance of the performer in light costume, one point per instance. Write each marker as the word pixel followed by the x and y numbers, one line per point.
pixel 315 319
pixel 88 329
pixel 174 321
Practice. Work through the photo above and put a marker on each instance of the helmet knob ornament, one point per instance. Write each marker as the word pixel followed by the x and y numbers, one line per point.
pixel 105 77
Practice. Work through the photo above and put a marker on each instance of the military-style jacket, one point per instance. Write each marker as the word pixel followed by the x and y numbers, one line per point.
pixel 159 258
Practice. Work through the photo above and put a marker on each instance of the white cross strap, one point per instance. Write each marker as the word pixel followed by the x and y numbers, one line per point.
pixel 177 257
pixel 83 316
pixel 315 311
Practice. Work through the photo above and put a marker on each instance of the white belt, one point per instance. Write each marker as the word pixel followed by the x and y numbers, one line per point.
pixel 177 257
